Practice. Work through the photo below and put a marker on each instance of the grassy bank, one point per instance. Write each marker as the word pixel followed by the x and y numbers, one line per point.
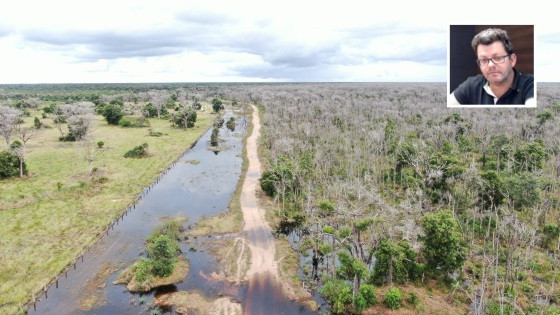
pixel 55 214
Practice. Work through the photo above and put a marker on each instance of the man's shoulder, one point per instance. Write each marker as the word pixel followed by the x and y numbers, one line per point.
pixel 467 92
pixel 474 81
pixel 526 77
pixel 525 83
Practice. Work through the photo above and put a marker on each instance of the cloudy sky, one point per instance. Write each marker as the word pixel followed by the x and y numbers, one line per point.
pixel 233 41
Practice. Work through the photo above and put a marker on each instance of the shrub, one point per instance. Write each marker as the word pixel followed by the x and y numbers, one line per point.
pixel 214 137
pixel 550 234
pixel 37 124
pixel 100 144
pixel 49 109
pixel 143 270
pixel 112 113
pixel 137 152
pixel 67 138
pixel 267 181
pixel 393 298
pixel 134 122
pixel 171 228
pixel 155 134
pixel 9 165
pixel 365 298
pixel 412 299
pixel 339 295
pixel 162 252
pixel 230 124
pixel 326 208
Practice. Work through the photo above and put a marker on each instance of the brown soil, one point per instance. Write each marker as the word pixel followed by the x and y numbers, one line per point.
pixel 92 296
pixel 185 302
pixel 261 242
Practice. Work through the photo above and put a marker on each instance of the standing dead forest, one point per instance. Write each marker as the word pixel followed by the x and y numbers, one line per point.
pixel 394 197
pixel 391 199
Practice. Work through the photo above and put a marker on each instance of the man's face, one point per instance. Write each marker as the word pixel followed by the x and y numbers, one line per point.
pixel 496 73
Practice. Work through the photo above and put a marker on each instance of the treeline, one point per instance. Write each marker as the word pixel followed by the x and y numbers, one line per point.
pixel 71 108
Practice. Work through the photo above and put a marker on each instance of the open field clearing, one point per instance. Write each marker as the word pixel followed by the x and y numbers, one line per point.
pixel 52 216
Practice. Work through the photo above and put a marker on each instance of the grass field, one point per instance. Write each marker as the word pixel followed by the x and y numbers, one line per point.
pixel 52 216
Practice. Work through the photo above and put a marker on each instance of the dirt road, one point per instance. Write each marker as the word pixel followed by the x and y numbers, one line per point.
pixel 261 241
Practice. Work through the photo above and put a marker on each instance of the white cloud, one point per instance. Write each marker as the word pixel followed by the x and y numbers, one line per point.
pixel 149 41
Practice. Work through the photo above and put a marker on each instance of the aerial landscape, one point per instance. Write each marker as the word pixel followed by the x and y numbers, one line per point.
pixel 302 191
pixel 274 158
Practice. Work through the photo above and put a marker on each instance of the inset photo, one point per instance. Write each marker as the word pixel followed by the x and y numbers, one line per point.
pixel 491 66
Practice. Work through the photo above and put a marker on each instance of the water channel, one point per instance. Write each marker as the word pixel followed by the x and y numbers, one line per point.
pixel 187 189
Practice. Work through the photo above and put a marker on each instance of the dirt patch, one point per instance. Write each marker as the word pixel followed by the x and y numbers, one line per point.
pixel 234 258
pixel 128 277
pixel 92 296
pixel 187 301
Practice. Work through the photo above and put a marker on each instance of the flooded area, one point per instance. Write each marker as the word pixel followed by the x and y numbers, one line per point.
pixel 187 189
pixel 200 184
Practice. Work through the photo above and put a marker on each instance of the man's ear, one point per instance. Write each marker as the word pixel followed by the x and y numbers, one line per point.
pixel 513 59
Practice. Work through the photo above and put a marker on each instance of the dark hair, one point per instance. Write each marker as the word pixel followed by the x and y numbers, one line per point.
pixel 490 35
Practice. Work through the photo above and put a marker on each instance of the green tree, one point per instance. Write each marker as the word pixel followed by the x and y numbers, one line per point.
pixel 491 190
pixel 9 165
pixel 184 118
pixel 112 113
pixel 522 189
pixel 163 255
pixel 529 156
pixel 151 111
pixel 352 269
pixel 443 249
pixel 394 262
pixel 217 105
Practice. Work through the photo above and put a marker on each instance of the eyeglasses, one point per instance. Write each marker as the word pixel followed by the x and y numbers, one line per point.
pixel 495 60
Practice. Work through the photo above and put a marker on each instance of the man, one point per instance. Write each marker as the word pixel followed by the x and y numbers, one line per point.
pixel 500 83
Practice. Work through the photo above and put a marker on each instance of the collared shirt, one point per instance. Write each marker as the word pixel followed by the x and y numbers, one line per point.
pixel 475 90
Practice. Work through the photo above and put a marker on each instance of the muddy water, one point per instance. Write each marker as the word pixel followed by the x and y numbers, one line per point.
pixel 264 296
pixel 186 189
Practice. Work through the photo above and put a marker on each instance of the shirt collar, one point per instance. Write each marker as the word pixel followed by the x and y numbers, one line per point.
pixel 514 85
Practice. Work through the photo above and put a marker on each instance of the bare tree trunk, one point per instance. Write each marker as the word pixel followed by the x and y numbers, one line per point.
pixel 20 167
